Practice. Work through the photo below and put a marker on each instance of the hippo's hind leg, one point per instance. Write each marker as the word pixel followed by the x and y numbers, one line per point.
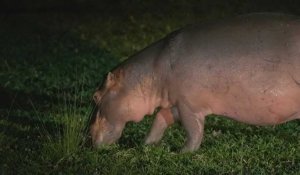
pixel 164 118
pixel 194 126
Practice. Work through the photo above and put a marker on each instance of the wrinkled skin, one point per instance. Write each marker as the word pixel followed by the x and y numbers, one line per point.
pixel 246 68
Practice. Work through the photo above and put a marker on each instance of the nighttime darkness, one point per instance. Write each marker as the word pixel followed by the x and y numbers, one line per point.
pixel 123 87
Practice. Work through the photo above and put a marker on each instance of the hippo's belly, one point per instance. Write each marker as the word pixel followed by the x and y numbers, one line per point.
pixel 266 107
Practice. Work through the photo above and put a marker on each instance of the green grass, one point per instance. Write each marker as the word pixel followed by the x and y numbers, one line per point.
pixel 52 62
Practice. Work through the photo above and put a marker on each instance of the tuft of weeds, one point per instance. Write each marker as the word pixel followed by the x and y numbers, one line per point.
pixel 70 134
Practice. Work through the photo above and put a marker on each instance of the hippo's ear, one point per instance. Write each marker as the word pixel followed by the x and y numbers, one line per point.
pixel 97 97
pixel 114 78
pixel 111 80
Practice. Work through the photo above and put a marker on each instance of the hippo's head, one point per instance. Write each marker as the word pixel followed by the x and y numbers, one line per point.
pixel 108 123
pixel 115 105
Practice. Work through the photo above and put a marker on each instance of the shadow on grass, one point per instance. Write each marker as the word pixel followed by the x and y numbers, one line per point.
pixel 22 133
pixel 14 99
pixel 24 126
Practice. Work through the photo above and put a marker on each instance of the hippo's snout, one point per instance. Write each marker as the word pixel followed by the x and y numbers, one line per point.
pixel 104 139
pixel 104 133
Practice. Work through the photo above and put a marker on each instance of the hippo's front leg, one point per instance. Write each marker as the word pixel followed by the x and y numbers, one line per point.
pixel 193 123
pixel 164 118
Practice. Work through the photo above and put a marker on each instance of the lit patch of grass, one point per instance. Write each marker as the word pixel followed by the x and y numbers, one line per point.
pixel 68 139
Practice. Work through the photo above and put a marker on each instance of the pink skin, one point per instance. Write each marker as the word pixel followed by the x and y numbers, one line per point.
pixel 115 107
pixel 246 69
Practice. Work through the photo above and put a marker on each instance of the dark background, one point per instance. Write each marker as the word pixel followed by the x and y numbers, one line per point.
pixel 149 6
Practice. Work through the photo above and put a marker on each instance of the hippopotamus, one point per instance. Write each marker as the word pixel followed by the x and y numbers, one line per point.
pixel 246 68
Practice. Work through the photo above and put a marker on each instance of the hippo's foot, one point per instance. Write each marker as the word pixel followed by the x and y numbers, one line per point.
pixel 190 146
pixel 156 133
pixel 192 143
pixel 194 126
pixel 164 118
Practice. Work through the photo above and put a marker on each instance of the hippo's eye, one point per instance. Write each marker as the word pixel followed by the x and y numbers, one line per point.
pixel 108 132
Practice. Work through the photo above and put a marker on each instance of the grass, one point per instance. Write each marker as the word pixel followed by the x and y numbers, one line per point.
pixel 52 63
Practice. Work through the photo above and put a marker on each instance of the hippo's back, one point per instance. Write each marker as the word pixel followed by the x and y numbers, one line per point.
pixel 246 39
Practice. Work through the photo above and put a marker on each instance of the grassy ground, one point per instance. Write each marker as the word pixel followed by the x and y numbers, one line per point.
pixel 51 63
